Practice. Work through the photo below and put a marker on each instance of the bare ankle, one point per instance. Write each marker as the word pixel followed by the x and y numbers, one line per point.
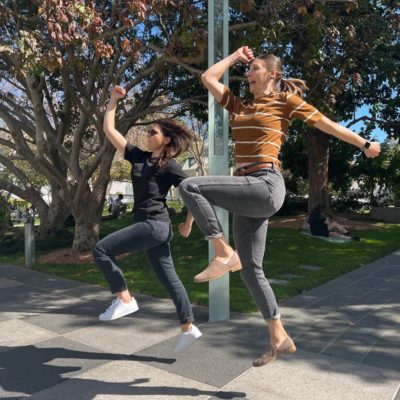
pixel 221 247
pixel 186 327
pixel 125 296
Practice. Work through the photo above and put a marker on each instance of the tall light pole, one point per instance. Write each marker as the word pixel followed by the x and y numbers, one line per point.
pixel 218 48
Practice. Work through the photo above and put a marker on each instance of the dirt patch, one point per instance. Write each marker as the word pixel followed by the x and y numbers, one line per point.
pixel 65 256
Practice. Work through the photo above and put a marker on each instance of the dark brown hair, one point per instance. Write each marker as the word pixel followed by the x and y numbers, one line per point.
pixel 180 137
pixel 295 86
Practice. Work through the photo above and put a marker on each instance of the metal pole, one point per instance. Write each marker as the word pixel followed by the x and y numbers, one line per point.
pixel 218 145
pixel 29 243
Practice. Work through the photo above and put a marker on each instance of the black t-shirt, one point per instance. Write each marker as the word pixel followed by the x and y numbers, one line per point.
pixel 151 184
pixel 318 226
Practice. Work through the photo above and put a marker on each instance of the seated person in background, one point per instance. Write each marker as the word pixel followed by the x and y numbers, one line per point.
pixel 322 225
pixel 118 206
pixel 109 201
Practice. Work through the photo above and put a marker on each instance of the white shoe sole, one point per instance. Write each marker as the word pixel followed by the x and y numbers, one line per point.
pixel 119 315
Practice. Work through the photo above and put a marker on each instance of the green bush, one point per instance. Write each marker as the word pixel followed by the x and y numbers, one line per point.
pixel 177 205
pixel 11 242
pixel 5 221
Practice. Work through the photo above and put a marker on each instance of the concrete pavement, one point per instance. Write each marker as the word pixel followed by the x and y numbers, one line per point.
pixel 52 346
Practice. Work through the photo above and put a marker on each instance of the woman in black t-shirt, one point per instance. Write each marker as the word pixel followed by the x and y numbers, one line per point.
pixel 321 224
pixel 153 173
pixel 317 221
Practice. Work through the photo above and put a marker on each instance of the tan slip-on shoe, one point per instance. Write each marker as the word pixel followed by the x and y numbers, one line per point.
pixel 287 347
pixel 217 268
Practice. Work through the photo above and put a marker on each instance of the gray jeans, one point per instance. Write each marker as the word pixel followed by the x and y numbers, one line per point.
pixel 252 199
pixel 153 237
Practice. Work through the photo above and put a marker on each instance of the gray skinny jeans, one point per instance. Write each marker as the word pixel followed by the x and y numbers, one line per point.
pixel 153 237
pixel 252 199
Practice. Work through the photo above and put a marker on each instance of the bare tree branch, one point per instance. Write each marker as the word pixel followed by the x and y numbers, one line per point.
pixel 243 25
pixel 377 121
pixel 178 61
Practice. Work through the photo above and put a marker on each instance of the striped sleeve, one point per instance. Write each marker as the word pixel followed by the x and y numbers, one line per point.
pixel 300 109
pixel 230 102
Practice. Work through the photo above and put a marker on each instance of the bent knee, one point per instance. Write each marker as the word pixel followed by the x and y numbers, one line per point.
pixel 186 186
pixel 97 251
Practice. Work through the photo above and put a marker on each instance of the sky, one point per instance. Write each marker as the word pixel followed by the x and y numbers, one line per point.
pixel 378 134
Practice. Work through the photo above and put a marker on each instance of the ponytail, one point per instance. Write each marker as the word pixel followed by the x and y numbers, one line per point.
pixel 295 86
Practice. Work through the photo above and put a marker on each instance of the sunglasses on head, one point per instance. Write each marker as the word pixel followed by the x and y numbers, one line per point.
pixel 152 132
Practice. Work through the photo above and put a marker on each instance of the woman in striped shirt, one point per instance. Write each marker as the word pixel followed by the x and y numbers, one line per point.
pixel 257 190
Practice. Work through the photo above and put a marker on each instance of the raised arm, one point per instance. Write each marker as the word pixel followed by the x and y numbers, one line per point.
pixel 212 75
pixel 332 128
pixel 116 139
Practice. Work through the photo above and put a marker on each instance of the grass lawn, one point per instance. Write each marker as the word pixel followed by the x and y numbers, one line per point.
pixel 286 251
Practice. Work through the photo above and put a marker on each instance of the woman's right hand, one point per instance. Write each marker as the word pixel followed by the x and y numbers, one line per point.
pixel 118 92
pixel 185 229
pixel 244 54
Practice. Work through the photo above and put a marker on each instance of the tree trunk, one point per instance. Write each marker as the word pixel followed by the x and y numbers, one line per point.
pixel 52 216
pixel 86 235
pixel 87 214
pixel 318 156
pixel 87 208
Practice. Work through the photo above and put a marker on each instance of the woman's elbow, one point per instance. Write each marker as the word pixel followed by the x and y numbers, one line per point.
pixel 206 79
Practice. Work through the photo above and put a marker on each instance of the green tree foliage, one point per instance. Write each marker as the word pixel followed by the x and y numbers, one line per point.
pixel 379 180
pixel 4 212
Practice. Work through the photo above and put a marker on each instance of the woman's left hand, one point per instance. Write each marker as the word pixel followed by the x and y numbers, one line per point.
pixel 373 150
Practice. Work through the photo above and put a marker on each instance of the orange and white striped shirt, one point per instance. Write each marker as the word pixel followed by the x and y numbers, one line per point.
pixel 260 126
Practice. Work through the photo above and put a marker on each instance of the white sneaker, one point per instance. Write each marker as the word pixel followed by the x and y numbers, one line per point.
pixel 119 309
pixel 185 339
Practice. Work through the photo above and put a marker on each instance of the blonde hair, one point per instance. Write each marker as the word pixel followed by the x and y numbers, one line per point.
pixel 295 86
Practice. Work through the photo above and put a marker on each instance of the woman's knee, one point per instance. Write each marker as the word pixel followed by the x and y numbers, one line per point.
pixel 98 251
pixel 248 274
pixel 186 186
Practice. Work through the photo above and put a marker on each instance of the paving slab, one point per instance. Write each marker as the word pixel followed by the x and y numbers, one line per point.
pixel 292 276
pixel 397 394
pixel 39 280
pixel 126 335
pixel 386 352
pixel 126 379
pixel 16 333
pixel 274 281
pixel 29 369
pixel 216 358
pixel 309 267
pixel 8 283
pixel 307 376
